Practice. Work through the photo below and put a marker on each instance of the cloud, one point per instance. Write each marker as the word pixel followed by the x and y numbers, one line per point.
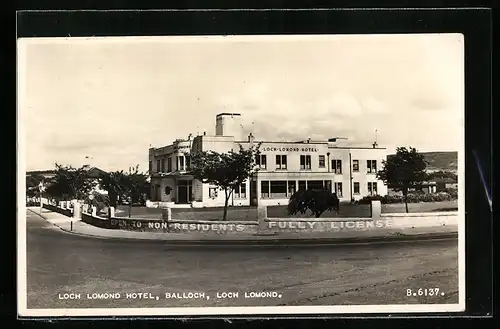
pixel 271 116
pixel 99 99
pixel 374 105
pixel 344 105
pixel 429 102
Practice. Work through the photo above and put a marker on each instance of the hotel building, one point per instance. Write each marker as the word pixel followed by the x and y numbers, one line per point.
pixel 284 167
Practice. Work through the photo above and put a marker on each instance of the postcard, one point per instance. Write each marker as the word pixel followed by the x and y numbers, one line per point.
pixel 241 175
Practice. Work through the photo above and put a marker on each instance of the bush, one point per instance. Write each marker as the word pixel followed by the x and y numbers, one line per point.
pixel 317 201
pixel 392 199
pixel 412 198
pixel 368 199
pixel 453 192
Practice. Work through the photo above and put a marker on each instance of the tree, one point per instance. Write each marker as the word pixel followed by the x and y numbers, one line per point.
pixel 114 183
pixel 70 182
pixel 317 201
pixel 32 184
pixel 134 185
pixel 403 171
pixel 225 170
pixel 129 186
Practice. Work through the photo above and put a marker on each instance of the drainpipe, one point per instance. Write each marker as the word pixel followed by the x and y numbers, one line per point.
pixel 332 182
pixel 328 160
pixel 350 175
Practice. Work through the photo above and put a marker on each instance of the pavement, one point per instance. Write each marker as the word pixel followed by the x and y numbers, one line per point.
pixel 78 227
pixel 366 274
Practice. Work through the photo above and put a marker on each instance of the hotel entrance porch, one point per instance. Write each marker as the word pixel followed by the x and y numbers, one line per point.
pixel 176 189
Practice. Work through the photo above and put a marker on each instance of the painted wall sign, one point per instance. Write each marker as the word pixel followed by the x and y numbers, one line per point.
pixel 289 149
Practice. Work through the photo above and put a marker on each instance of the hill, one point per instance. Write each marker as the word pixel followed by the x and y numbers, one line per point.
pixel 436 161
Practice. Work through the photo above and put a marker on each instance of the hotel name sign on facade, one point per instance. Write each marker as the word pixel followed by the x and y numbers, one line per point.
pixel 284 167
pixel 288 149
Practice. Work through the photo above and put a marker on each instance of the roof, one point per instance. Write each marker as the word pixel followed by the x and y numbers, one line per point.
pixel 94 172
pixel 40 172
pixel 313 143
pixel 225 113
pixel 444 180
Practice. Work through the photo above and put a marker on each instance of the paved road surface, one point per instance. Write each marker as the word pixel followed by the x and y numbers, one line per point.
pixel 60 263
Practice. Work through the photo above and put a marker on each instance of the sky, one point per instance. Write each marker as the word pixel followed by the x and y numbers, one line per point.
pixel 109 99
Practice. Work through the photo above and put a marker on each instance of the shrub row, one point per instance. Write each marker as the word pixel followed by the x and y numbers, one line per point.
pixel 412 198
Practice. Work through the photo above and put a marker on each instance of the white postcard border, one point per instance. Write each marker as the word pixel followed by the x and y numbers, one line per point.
pixel 23 310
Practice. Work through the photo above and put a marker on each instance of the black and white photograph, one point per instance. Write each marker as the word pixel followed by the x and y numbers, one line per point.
pixel 249 174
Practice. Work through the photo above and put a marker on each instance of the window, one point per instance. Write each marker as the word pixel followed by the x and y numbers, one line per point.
pixel 302 185
pixel 281 162
pixel 305 162
pixel 157 165
pixel 162 165
pixel 337 166
pixel 169 164
pixel 261 161
pixel 355 165
pixel 188 162
pixel 150 166
pixel 338 189
pixel 356 188
pixel 278 189
pixel 212 192
pixel 315 184
pixel 241 191
pixel 371 166
pixel 291 187
pixel 328 185
pixel 264 189
pixel 372 188
pixel 321 163
pixel 181 163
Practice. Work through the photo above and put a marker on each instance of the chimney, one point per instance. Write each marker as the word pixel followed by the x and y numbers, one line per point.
pixel 189 137
pixel 375 144
pixel 308 140
pixel 204 133
pixel 251 138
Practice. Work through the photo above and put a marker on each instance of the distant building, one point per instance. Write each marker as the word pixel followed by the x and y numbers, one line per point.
pixel 285 167
pixel 425 187
pixel 93 172
pixel 446 183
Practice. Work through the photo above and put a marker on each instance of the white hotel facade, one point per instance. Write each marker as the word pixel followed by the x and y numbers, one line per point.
pixel 284 167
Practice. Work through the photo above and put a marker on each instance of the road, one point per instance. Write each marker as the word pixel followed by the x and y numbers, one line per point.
pixel 60 263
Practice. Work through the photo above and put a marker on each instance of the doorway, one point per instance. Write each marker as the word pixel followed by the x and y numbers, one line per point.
pixel 157 192
pixel 184 191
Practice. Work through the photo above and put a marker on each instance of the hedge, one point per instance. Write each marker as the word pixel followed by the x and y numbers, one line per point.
pixel 412 198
